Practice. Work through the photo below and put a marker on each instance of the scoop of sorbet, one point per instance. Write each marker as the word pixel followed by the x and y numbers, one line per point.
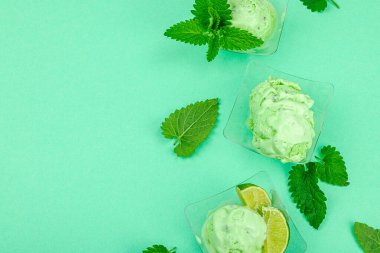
pixel 281 120
pixel 234 229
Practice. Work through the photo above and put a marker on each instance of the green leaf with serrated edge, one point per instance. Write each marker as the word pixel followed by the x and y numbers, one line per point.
pixel 214 19
pixel 318 5
pixel 201 12
pixel 189 31
pixel 190 125
pixel 331 167
pixel 159 249
pixel 367 237
pixel 213 48
pixel 315 5
pixel 237 39
pixel 310 200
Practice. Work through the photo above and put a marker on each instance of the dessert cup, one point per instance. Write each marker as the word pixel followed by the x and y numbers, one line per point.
pixel 197 213
pixel 236 129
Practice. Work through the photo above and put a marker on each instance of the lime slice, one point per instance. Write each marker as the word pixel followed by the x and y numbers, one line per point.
pixel 253 196
pixel 277 230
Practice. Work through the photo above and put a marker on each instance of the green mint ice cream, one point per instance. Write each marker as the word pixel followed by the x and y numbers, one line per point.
pixel 255 16
pixel 281 120
pixel 234 229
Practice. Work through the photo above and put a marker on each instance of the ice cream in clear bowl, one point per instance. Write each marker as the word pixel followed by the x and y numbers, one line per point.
pixel 263 19
pixel 246 218
pixel 278 115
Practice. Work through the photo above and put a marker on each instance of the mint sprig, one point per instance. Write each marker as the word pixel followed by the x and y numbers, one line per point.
pixel 211 25
pixel 303 183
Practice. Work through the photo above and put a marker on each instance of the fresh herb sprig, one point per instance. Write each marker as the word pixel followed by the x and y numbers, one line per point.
pixel 211 25
pixel 303 183
pixel 159 249
pixel 318 5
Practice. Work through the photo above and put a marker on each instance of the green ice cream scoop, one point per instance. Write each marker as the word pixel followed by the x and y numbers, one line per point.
pixel 234 229
pixel 281 120
pixel 255 16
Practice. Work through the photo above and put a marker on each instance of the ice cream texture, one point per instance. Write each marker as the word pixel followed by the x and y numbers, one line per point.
pixel 255 16
pixel 281 120
pixel 234 229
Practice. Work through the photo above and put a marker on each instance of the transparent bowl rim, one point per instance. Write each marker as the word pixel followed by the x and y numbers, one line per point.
pixel 273 49
pixel 273 189
pixel 256 63
pixel 253 63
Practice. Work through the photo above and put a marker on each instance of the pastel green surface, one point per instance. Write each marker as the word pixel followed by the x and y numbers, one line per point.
pixel 85 85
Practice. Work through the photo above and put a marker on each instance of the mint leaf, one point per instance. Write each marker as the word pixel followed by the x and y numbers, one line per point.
pixel 315 5
pixel 159 249
pixel 190 125
pixel 332 168
pixel 189 31
pixel 367 237
pixel 318 5
pixel 213 48
pixel 237 39
pixel 211 26
pixel 201 11
pixel 310 200
pixel 214 19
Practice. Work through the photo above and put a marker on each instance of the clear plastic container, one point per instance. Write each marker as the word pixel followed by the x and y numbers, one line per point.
pixel 197 213
pixel 236 129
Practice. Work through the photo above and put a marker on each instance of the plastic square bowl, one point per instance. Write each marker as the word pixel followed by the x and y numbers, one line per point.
pixel 197 213
pixel 237 130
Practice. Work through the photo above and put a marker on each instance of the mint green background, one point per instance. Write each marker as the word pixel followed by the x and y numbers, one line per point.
pixel 85 85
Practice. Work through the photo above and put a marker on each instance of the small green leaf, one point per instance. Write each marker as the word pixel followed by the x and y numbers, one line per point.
pixel 318 5
pixel 201 11
pixel 189 31
pixel 237 39
pixel 332 168
pixel 190 125
pixel 213 48
pixel 315 5
pixel 367 237
pixel 159 249
pixel 309 198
